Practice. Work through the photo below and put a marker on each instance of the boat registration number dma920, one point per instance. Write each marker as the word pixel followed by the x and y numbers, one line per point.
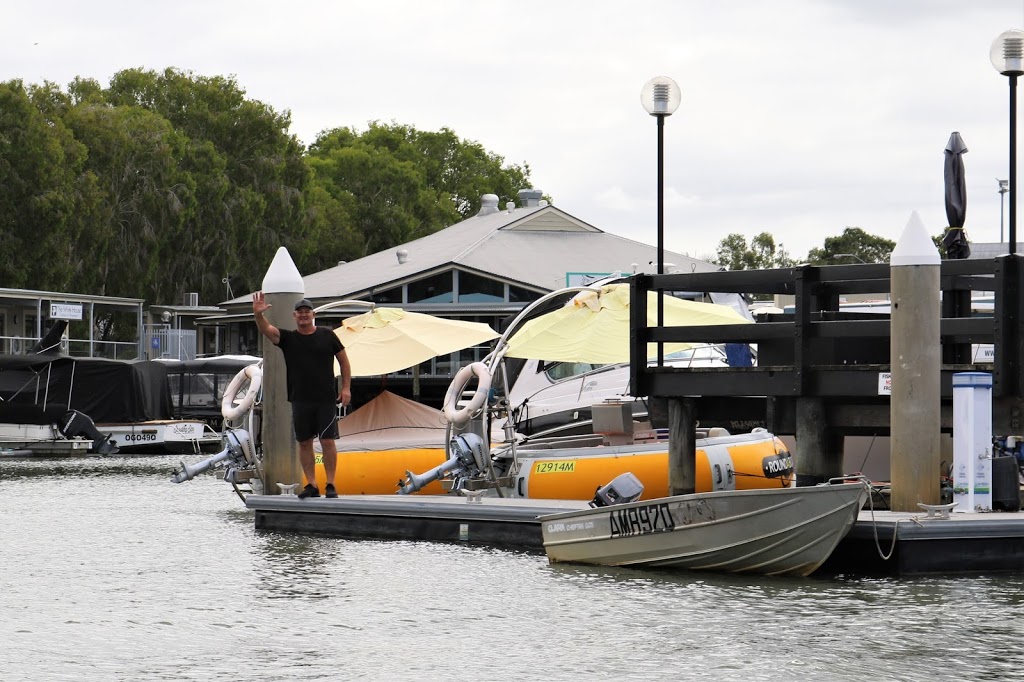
pixel 651 518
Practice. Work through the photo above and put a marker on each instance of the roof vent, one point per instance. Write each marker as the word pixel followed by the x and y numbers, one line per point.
pixel 192 299
pixel 510 206
pixel 488 204
pixel 542 203
pixel 402 256
pixel 530 197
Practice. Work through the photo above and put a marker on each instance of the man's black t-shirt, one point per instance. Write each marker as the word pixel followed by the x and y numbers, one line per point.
pixel 309 359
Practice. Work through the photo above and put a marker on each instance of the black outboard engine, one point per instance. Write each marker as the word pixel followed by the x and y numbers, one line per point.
pixel 50 343
pixel 623 488
pixel 75 423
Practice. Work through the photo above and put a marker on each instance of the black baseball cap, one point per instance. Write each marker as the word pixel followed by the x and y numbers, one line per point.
pixel 303 303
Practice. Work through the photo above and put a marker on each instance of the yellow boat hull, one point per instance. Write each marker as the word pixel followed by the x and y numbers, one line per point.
pixel 751 465
pixel 380 472
pixel 738 463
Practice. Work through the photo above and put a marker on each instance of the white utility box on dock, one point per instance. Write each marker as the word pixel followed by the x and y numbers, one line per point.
pixel 972 441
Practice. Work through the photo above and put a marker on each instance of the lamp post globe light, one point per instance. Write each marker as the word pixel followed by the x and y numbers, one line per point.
pixel 660 97
pixel 1007 55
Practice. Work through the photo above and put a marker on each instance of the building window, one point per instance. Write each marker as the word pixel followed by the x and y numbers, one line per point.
pixel 393 295
pixel 520 295
pixel 436 289
pixel 477 289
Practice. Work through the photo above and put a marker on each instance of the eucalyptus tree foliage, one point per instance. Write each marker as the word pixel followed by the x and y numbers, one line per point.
pixel 399 183
pixel 47 201
pixel 762 253
pixel 168 182
pixel 162 184
pixel 247 178
pixel 140 234
pixel 854 245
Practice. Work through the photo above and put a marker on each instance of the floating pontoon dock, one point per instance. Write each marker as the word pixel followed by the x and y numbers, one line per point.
pixel 962 543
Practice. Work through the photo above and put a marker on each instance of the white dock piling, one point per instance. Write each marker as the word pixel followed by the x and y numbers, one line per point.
pixel 283 288
pixel 915 357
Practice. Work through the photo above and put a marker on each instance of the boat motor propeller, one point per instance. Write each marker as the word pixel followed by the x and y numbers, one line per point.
pixel 237 453
pixel 467 460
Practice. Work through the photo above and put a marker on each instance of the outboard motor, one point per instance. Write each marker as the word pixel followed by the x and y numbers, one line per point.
pixel 75 423
pixel 467 459
pixel 237 453
pixel 622 489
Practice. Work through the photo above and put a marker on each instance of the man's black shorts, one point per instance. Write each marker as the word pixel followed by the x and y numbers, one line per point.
pixel 314 420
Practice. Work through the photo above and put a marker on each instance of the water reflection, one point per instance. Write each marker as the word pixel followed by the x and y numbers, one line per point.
pixel 109 571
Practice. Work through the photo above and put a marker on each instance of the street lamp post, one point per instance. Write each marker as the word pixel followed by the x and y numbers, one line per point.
pixel 849 255
pixel 1004 187
pixel 1007 55
pixel 660 97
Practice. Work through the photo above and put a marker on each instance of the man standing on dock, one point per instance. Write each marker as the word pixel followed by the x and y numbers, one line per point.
pixel 309 352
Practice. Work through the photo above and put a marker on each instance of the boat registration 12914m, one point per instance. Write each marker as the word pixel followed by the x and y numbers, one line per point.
pixel 735 462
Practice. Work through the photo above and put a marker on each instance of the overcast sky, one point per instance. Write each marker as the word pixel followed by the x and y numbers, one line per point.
pixel 798 117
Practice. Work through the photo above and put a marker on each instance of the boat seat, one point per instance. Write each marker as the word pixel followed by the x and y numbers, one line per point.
pixel 718 432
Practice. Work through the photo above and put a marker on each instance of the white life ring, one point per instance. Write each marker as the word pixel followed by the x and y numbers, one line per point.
pixel 229 408
pixel 459 416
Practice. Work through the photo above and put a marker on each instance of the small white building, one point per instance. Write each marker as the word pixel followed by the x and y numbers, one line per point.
pixel 27 315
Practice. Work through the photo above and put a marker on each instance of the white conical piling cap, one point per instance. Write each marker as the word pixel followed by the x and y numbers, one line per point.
pixel 282 276
pixel 914 247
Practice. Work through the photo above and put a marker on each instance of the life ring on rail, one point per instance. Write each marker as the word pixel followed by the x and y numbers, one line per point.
pixel 459 416
pixel 229 408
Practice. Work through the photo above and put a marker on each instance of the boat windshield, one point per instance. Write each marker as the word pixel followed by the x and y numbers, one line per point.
pixel 556 371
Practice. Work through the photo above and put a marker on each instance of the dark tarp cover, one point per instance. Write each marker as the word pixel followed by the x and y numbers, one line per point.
pixel 106 390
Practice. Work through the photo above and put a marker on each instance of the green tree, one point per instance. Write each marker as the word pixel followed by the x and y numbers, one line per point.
pixel 400 183
pixel 134 154
pixel 762 253
pixel 166 182
pixel 248 175
pixel 856 245
pixel 47 202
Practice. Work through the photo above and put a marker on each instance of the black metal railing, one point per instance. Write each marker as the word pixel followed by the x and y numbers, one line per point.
pixel 819 349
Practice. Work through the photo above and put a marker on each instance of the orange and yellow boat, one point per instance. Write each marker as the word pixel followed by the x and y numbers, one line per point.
pixel 391 436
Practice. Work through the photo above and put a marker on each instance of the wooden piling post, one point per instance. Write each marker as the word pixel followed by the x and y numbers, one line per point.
pixel 819 454
pixel 915 358
pixel 682 446
pixel 283 288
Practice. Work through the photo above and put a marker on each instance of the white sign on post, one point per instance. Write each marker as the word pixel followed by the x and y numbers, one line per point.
pixel 65 311
pixel 972 441
pixel 885 383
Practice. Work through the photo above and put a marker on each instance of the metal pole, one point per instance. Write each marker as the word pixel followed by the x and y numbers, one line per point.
pixel 1002 208
pixel 661 197
pixel 661 227
pixel 1013 163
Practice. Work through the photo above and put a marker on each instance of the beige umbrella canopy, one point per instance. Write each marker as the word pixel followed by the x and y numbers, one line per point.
pixel 385 340
pixel 594 326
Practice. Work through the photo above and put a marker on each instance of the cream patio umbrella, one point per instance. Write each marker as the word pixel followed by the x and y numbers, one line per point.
pixel 594 326
pixel 386 340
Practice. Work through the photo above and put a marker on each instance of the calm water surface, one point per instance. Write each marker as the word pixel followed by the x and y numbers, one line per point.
pixel 110 572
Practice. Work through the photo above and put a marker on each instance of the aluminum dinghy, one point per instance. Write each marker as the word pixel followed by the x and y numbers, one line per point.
pixel 783 531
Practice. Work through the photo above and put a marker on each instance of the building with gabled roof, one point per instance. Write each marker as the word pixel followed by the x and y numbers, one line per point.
pixel 482 269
